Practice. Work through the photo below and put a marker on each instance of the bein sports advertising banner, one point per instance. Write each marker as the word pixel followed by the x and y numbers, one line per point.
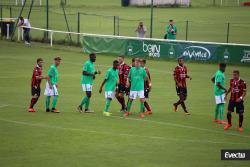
pixel 195 51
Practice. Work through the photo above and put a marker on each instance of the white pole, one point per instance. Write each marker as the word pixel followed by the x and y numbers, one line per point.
pixel 22 33
pixel 8 31
pixel 16 2
pixel 22 2
pixel 40 2
pixel 51 38
pixel 18 34
pixel 221 2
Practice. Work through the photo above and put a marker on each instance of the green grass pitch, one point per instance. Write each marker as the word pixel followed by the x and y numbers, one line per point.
pixel 165 139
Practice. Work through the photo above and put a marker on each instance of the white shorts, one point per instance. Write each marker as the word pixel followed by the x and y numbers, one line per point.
pixel 50 92
pixel 87 87
pixel 134 94
pixel 220 99
pixel 109 94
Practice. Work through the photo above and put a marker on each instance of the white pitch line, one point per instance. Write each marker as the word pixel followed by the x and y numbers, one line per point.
pixel 174 125
pixel 4 105
pixel 184 126
pixel 121 134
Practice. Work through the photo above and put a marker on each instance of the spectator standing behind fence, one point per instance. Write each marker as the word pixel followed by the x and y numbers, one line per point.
pixel 141 30
pixel 171 31
pixel 26 29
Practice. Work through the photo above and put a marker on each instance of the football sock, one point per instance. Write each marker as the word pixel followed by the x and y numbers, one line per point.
pixel 178 103
pixel 84 100
pixel 121 100
pixel 55 99
pixel 87 104
pixel 129 106
pixel 47 102
pixel 221 111
pixel 217 112
pixel 184 106
pixel 108 101
pixel 147 106
pixel 33 102
pixel 141 106
pixel 240 120
pixel 229 118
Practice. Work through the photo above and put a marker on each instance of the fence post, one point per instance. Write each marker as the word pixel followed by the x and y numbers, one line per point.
pixel 228 27
pixel 1 23
pixel 114 25
pixel 78 27
pixel 118 25
pixel 51 38
pixel 186 30
pixel 10 12
pixel 47 19
pixel 8 31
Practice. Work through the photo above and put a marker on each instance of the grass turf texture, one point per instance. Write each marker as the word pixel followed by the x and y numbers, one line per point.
pixel 73 139
pixel 206 23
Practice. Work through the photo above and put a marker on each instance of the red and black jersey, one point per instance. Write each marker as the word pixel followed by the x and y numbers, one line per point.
pixel 237 89
pixel 180 75
pixel 123 73
pixel 146 83
pixel 36 73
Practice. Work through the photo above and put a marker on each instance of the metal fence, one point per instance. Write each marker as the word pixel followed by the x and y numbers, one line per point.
pixel 229 32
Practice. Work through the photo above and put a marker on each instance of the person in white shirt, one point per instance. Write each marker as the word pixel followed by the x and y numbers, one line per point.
pixel 141 30
pixel 26 29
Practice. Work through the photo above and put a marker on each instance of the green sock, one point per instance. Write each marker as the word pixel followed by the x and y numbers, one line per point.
pixel 54 101
pixel 142 107
pixel 217 112
pixel 222 111
pixel 87 104
pixel 108 101
pixel 84 100
pixel 47 102
pixel 129 106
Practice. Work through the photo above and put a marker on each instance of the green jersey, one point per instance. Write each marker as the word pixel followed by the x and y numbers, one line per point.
pixel 170 29
pixel 137 77
pixel 88 67
pixel 111 79
pixel 53 74
pixel 219 78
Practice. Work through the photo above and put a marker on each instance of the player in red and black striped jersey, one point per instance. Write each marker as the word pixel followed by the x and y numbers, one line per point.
pixel 147 87
pixel 238 92
pixel 123 75
pixel 35 84
pixel 180 76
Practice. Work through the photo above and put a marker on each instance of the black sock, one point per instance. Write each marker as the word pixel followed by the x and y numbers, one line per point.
pixel 184 106
pixel 147 106
pixel 178 103
pixel 121 100
pixel 240 120
pixel 229 118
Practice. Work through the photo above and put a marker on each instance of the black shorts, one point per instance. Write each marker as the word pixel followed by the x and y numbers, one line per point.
pixel 35 91
pixel 122 89
pixel 239 106
pixel 146 93
pixel 181 91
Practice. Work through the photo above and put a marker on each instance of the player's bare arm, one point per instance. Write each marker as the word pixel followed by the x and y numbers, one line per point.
pixel 104 81
pixel 49 81
pixel 213 79
pixel 128 83
pixel 242 97
pixel 188 76
pixel 149 81
pixel 220 86
pixel 228 91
